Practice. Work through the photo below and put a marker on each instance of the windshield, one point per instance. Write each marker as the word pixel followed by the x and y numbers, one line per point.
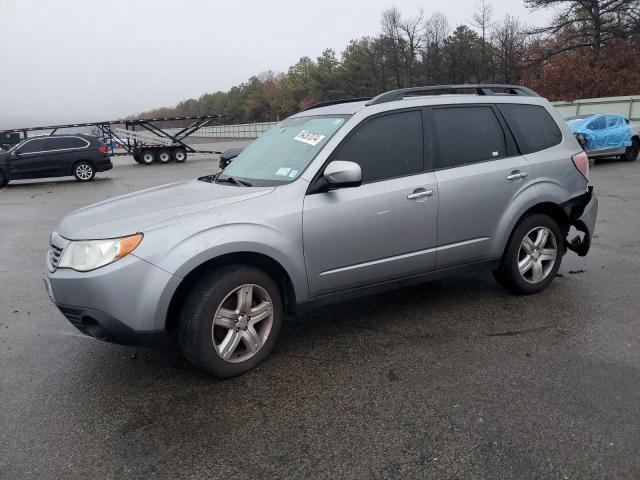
pixel 282 154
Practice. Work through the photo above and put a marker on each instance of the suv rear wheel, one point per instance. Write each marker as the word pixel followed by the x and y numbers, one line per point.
pixel 230 320
pixel 533 255
pixel 84 171
pixel 632 152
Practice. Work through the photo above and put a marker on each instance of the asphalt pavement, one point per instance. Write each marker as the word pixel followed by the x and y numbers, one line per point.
pixel 455 379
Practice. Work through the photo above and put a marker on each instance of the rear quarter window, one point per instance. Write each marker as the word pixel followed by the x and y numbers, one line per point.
pixel 532 126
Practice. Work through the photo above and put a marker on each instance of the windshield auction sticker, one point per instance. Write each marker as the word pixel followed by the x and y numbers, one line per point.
pixel 310 138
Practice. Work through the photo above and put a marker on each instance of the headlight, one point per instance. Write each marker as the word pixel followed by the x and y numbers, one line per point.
pixel 88 255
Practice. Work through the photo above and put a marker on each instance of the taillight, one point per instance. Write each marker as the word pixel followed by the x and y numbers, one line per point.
pixel 103 150
pixel 581 161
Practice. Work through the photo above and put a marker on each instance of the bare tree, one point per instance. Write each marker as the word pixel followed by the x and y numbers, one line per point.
pixel 413 33
pixel 482 20
pixel 588 23
pixel 510 42
pixel 391 22
pixel 436 31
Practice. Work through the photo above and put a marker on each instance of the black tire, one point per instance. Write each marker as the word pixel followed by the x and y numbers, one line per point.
pixel 137 158
pixel 197 333
pixel 84 171
pixel 3 180
pixel 164 156
pixel 180 155
pixel 147 157
pixel 508 273
pixel 632 152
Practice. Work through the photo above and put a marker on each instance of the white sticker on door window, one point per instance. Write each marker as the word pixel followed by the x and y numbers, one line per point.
pixel 310 138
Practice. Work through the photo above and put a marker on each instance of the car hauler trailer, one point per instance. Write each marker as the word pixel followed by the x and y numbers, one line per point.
pixel 145 139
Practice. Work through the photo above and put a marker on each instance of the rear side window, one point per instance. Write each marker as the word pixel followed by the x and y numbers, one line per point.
pixel 36 145
pixel 466 135
pixel 533 127
pixel 386 147
pixel 64 143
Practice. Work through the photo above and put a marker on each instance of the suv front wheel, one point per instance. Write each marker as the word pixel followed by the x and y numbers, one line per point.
pixel 533 255
pixel 230 320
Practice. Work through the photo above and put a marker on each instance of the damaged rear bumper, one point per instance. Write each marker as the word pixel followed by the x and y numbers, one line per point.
pixel 582 211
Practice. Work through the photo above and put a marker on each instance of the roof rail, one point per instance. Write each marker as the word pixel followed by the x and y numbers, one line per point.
pixel 478 89
pixel 335 102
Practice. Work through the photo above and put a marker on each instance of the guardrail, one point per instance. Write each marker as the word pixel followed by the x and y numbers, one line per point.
pixel 626 106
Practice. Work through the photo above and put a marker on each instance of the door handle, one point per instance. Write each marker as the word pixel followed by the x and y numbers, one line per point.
pixel 517 175
pixel 421 193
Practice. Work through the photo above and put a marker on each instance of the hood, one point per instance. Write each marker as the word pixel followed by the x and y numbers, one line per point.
pixel 132 213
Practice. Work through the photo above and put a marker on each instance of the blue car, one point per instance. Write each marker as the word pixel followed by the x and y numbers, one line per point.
pixel 604 135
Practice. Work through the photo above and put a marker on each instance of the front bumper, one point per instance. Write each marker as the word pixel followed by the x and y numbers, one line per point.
pixel 583 212
pixel 125 302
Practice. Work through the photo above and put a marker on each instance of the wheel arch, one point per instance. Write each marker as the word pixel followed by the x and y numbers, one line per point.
pixel 80 160
pixel 254 259
pixel 549 208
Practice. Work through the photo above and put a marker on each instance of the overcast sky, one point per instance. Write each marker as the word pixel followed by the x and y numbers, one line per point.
pixel 89 60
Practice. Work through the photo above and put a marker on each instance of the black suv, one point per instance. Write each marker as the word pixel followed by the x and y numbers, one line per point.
pixel 55 156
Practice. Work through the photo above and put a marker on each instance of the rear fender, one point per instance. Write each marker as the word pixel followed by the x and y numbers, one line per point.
pixel 526 200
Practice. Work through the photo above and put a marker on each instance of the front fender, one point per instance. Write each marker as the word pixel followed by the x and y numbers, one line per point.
pixel 200 247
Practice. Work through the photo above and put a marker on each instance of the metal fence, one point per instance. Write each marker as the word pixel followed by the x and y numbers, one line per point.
pixel 626 106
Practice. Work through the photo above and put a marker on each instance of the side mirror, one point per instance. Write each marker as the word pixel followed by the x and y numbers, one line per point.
pixel 341 174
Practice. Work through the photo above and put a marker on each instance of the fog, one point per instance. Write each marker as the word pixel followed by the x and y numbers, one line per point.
pixel 76 61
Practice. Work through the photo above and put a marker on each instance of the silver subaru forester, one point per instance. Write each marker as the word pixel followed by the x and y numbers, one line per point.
pixel 341 200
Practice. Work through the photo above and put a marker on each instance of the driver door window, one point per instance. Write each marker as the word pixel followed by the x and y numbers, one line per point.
pixel 389 146
pixel 32 146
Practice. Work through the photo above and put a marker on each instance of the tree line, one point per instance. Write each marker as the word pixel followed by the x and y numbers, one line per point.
pixel 591 48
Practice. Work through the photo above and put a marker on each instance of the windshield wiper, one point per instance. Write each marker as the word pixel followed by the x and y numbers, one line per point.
pixel 233 181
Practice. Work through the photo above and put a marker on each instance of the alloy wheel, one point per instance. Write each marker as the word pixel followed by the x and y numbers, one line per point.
pixel 84 171
pixel 537 255
pixel 242 323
